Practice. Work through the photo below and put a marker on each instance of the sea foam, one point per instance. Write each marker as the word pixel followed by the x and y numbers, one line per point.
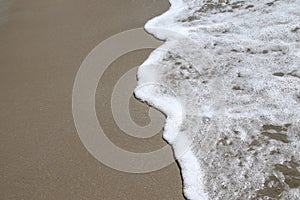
pixel 228 80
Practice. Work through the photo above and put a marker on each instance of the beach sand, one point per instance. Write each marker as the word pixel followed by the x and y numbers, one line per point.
pixel 42 46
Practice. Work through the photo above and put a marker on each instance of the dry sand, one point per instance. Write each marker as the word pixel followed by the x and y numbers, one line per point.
pixel 42 45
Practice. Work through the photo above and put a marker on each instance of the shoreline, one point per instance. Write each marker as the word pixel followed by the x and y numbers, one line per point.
pixel 186 159
pixel 43 45
pixel 221 122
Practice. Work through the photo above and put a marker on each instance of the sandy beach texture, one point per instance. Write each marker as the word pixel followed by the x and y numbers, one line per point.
pixel 42 45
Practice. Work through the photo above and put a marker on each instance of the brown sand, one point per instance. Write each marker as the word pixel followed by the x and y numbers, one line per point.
pixel 42 45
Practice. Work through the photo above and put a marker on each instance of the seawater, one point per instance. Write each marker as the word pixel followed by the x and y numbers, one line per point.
pixel 228 79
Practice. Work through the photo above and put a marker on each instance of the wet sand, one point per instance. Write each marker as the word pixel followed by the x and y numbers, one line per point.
pixel 42 46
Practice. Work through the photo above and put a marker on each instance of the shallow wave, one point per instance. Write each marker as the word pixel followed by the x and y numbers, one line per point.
pixel 233 71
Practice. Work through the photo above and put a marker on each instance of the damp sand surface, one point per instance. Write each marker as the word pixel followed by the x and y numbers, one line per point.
pixel 42 46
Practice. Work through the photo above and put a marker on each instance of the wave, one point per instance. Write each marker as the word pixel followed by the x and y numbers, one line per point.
pixel 228 80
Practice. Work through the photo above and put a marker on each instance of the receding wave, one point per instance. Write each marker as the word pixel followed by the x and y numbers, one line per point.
pixel 233 69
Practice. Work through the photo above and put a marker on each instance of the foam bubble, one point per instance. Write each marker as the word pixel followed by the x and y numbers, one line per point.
pixel 236 95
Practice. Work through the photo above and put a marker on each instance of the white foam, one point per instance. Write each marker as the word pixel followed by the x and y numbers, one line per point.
pixel 165 100
pixel 226 72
